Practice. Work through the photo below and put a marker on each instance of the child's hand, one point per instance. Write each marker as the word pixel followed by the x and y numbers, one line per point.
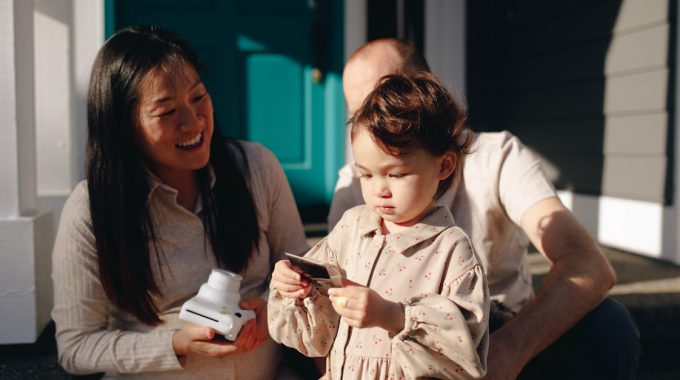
pixel 288 280
pixel 362 307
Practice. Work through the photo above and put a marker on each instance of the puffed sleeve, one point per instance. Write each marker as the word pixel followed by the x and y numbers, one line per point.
pixel 81 309
pixel 308 325
pixel 446 335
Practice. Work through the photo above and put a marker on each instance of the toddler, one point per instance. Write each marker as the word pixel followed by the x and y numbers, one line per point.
pixel 415 300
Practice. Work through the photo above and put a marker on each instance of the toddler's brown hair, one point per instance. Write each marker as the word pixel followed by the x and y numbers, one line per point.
pixel 407 111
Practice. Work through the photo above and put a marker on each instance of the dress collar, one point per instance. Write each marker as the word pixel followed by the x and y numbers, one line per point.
pixel 432 224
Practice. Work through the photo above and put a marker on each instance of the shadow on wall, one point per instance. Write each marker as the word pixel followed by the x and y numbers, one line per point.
pixel 537 70
pixel 586 85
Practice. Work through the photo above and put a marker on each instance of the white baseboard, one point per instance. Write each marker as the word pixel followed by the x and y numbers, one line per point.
pixel 646 228
pixel 25 277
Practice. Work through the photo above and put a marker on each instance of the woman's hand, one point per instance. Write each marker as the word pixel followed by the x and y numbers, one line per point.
pixel 258 330
pixel 201 340
pixel 362 307
pixel 288 280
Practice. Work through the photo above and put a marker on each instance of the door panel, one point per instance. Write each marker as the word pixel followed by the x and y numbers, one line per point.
pixel 275 82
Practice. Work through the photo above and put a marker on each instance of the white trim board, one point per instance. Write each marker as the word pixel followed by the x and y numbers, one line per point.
pixel 646 228
pixel 671 229
pixel 445 22
pixel 356 34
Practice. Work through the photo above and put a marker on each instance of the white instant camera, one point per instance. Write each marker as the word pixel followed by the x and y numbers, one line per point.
pixel 216 305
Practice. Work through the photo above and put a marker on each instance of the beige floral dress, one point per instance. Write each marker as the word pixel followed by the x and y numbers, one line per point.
pixel 431 268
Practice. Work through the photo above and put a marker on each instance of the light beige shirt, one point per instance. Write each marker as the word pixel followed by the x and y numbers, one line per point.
pixel 431 268
pixel 94 336
pixel 501 179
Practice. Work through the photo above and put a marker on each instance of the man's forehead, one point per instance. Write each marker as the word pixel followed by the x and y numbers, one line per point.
pixel 360 78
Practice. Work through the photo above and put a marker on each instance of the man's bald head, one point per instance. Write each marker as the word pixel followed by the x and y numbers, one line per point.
pixel 374 60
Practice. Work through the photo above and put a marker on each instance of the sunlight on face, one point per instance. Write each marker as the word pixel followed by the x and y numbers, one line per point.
pixel 362 75
pixel 175 122
pixel 399 189
pixel 358 81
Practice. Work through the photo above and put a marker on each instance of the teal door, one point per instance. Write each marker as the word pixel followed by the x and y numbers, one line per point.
pixel 273 68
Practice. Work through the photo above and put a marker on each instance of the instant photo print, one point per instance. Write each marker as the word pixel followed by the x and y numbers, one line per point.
pixel 321 276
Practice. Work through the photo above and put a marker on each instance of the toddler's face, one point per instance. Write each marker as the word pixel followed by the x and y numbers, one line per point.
pixel 399 189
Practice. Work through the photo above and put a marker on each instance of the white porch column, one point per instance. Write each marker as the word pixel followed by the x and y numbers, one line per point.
pixel 25 234
pixel 67 36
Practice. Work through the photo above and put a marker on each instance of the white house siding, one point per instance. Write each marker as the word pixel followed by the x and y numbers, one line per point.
pixel 589 86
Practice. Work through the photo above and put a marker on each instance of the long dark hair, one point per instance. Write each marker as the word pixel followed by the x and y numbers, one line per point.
pixel 118 183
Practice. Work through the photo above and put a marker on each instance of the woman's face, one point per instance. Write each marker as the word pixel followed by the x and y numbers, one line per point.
pixel 174 122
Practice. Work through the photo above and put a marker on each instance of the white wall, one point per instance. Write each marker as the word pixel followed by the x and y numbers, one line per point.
pixel 356 34
pixel 47 49
pixel 87 38
pixel 53 95
pixel 68 34
pixel 355 26
pixel 646 228
pixel 25 233
pixel 17 156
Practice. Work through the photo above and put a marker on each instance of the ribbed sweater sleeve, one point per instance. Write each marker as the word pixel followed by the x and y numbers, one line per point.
pixel 81 311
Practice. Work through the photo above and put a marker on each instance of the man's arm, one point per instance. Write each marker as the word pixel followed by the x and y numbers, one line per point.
pixel 579 279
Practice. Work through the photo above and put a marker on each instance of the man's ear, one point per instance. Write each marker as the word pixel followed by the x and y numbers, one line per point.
pixel 447 166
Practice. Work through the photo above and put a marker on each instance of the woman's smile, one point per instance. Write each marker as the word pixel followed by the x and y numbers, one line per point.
pixel 193 143
pixel 175 122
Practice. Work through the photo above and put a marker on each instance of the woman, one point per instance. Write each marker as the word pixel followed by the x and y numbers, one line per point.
pixel 166 200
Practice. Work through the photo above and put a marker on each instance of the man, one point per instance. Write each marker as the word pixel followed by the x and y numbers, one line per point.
pixel 503 200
